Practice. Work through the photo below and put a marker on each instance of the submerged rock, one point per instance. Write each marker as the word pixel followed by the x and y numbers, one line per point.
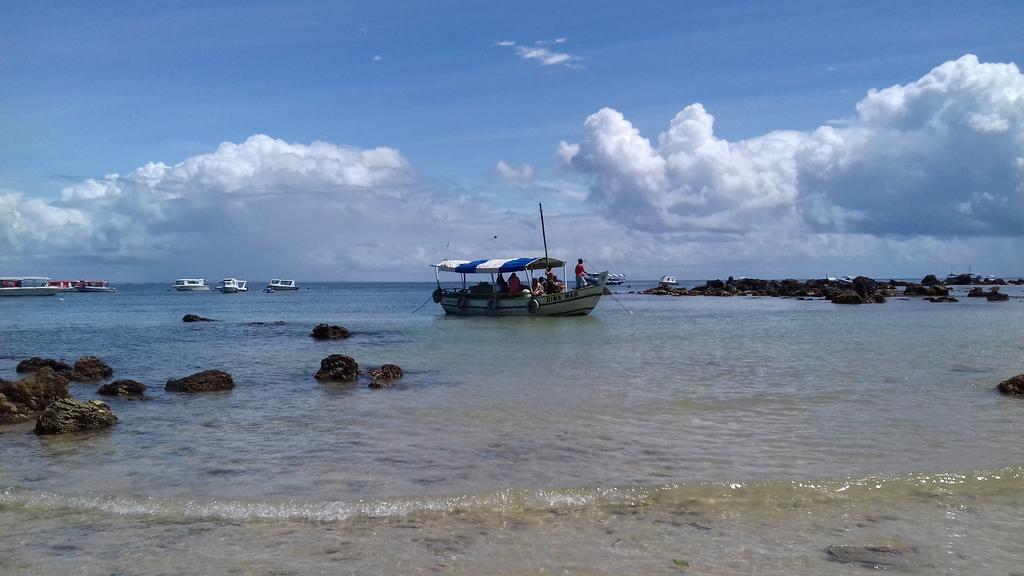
pixel 1013 386
pixel 32 364
pixel 205 381
pixel 37 390
pixel 847 297
pixel 941 299
pixel 337 367
pixel 122 388
pixel 91 368
pixel 382 377
pixel 876 557
pixel 330 332
pixel 194 318
pixel 70 415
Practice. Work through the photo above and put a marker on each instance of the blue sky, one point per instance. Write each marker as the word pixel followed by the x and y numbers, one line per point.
pixel 92 89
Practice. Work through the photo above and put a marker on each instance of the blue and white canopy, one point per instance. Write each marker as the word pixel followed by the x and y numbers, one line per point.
pixel 500 265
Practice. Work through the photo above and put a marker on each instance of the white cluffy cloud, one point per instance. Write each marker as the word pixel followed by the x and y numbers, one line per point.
pixel 515 174
pixel 541 55
pixel 941 156
pixel 293 206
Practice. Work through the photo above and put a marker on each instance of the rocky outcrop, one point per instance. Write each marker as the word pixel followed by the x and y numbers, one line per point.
pixel 122 388
pixel 329 332
pixel 11 412
pixel 976 293
pixel 194 318
pixel 32 364
pixel 930 280
pixel 205 381
pixel 382 377
pixel 70 415
pixel 91 368
pixel 941 299
pixel 37 390
pixel 1013 386
pixel 919 290
pixel 847 297
pixel 337 368
pixel 994 295
pixel 961 280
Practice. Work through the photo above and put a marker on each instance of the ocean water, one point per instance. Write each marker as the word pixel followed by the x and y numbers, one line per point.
pixel 735 435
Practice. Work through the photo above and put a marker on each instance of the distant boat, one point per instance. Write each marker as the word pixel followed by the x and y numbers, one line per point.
pixel 278 285
pixel 27 286
pixel 613 279
pixel 64 285
pixel 232 285
pixel 668 281
pixel 191 285
pixel 94 286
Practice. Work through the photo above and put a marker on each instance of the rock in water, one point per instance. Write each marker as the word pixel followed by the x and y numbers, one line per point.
pixel 206 381
pixel 929 280
pixel 329 332
pixel 1012 387
pixel 37 390
pixel 382 377
pixel 32 364
pixel 70 415
pixel 11 412
pixel 847 297
pixel 91 368
pixel 194 318
pixel 876 557
pixel 995 295
pixel 337 367
pixel 122 388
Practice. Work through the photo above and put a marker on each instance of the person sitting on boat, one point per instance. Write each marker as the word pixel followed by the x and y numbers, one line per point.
pixel 538 287
pixel 514 285
pixel 553 284
pixel 502 284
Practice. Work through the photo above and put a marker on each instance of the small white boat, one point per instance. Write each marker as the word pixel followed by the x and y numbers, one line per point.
pixel 94 286
pixel 27 286
pixel 231 286
pixel 191 285
pixel 668 281
pixel 64 285
pixel 278 285
pixel 613 279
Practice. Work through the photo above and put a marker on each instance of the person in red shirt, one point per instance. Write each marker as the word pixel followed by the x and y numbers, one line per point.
pixel 514 285
pixel 581 274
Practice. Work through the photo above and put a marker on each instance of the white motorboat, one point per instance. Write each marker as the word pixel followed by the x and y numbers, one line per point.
pixel 191 285
pixel 232 286
pixel 668 281
pixel 94 286
pixel 495 298
pixel 64 285
pixel 27 286
pixel 613 279
pixel 277 285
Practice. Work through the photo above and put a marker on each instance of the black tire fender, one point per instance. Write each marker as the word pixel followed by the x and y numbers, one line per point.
pixel 533 306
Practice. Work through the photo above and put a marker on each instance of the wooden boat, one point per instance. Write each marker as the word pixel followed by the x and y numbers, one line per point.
pixel 490 299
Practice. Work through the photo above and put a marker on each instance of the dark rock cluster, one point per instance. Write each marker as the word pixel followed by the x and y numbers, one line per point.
pixel 69 415
pixel 337 368
pixel 329 332
pixel 382 377
pixel 91 368
pixel 24 398
pixel 1012 386
pixel 194 318
pixel 861 290
pixel 122 388
pixel 205 381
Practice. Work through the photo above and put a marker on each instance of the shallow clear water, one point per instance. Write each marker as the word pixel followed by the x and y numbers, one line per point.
pixel 740 434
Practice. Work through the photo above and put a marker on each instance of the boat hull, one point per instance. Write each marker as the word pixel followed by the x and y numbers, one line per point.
pixel 578 302
pixel 192 288
pixel 30 291
pixel 95 289
pixel 283 288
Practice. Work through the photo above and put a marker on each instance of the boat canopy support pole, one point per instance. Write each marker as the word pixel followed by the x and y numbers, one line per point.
pixel 543 234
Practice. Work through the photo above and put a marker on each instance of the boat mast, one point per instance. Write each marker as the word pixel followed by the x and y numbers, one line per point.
pixel 543 234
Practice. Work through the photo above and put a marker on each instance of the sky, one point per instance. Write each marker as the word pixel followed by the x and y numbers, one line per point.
pixel 148 141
